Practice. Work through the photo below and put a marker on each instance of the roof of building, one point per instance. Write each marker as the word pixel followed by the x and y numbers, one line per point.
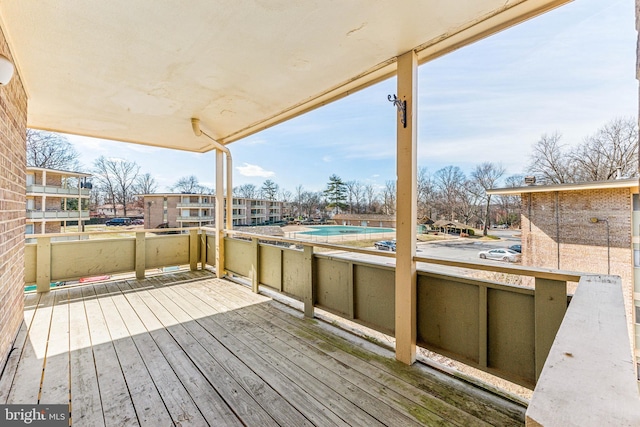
pixel 59 171
pixel 579 186
pixel 138 71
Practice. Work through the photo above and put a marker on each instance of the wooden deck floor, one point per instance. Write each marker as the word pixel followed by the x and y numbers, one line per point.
pixel 189 349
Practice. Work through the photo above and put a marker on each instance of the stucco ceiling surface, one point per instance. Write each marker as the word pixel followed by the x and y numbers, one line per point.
pixel 138 70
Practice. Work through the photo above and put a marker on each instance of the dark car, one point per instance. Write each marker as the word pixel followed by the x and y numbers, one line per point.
pixel 385 245
pixel 517 248
pixel 118 221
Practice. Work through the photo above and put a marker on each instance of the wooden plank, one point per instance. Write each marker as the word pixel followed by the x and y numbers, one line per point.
pixel 55 383
pixel 149 407
pixel 86 406
pixel 344 406
pixel 10 368
pixel 181 407
pixel 117 405
pixel 425 408
pixel 279 409
pixel 477 402
pixel 209 402
pixel 26 383
pixel 313 410
pixel 380 402
pixel 231 386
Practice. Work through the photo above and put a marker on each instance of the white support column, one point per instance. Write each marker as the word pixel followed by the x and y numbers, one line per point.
pixel 406 212
pixel 219 225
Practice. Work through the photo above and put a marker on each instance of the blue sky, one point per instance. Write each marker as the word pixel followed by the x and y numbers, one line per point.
pixel 571 70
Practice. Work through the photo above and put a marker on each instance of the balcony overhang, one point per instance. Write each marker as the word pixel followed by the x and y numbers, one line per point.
pixel 138 71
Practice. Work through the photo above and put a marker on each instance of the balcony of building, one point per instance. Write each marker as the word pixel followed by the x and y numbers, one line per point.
pixel 195 205
pixel 272 342
pixel 57 215
pixel 194 218
pixel 54 190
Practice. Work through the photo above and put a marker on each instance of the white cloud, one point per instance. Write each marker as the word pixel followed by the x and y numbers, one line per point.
pixel 254 170
pixel 326 159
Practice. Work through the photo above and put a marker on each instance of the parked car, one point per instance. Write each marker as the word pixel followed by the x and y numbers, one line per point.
pixel 501 254
pixel 385 245
pixel 118 221
pixel 517 248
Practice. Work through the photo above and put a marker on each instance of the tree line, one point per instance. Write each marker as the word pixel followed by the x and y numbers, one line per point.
pixel 448 193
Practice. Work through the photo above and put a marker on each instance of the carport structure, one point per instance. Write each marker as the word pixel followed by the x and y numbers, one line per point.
pixel 140 71
pixel 204 74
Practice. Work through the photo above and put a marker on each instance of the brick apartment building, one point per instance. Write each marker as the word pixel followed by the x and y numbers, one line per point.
pixel 591 227
pixel 194 210
pixel 54 198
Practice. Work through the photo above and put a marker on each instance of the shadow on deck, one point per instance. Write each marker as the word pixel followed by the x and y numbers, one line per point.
pixel 190 349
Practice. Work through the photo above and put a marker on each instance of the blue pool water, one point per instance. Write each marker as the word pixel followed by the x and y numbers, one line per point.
pixel 337 230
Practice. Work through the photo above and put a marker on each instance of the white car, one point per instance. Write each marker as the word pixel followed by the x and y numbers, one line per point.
pixel 501 254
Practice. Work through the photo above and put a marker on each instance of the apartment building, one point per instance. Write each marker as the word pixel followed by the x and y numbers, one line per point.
pixel 192 210
pixel 588 227
pixel 56 198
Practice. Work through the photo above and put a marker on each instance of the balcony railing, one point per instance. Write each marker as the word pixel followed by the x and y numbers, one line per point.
pixel 57 215
pixel 56 190
pixel 195 205
pixel 506 330
pixel 194 218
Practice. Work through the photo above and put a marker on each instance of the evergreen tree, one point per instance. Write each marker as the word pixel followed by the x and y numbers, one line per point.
pixel 336 193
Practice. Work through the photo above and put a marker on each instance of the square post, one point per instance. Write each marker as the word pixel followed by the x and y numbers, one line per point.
pixel 309 294
pixel 550 302
pixel 43 264
pixel 219 220
pixel 406 212
pixel 193 249
pixel 140 254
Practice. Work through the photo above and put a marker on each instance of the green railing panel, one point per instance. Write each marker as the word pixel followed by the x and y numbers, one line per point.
pixel 169 250
pixel 511 334
pixel 448 316
pixel 374 296
pixel 76 259
pixel 292 273
pixel 334 284
pixel 271 258
pixel 237 255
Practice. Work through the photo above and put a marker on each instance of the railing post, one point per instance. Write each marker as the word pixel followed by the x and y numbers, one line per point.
pixel 254 274
pixel 140 254
pixel 203 249
pixel 193 249
pixel 43 264
pixel 309 295
pixel 550 307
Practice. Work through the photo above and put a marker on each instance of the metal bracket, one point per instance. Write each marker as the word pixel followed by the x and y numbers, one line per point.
pixel 402 108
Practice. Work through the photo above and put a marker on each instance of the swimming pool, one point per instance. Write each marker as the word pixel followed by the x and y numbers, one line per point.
pixel 337 230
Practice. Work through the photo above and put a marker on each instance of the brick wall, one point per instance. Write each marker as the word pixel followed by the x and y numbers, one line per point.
pixel 559 234
pixel 13 119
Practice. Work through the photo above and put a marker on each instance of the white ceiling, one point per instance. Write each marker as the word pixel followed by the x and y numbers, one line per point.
pixel 138 70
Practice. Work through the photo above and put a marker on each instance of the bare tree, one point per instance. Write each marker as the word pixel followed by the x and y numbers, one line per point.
pixel 449 182
pixel 371 198
pixel 117 178
pixel 486 176
pixel 51 150
pixel 426 194
pixel 246 191
pixel 190 185
pixel 549 163
pixel 389 198
pixel 613 148
pixel 146 184
pixel 269 190
pixel 510 204
pixel 355 196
